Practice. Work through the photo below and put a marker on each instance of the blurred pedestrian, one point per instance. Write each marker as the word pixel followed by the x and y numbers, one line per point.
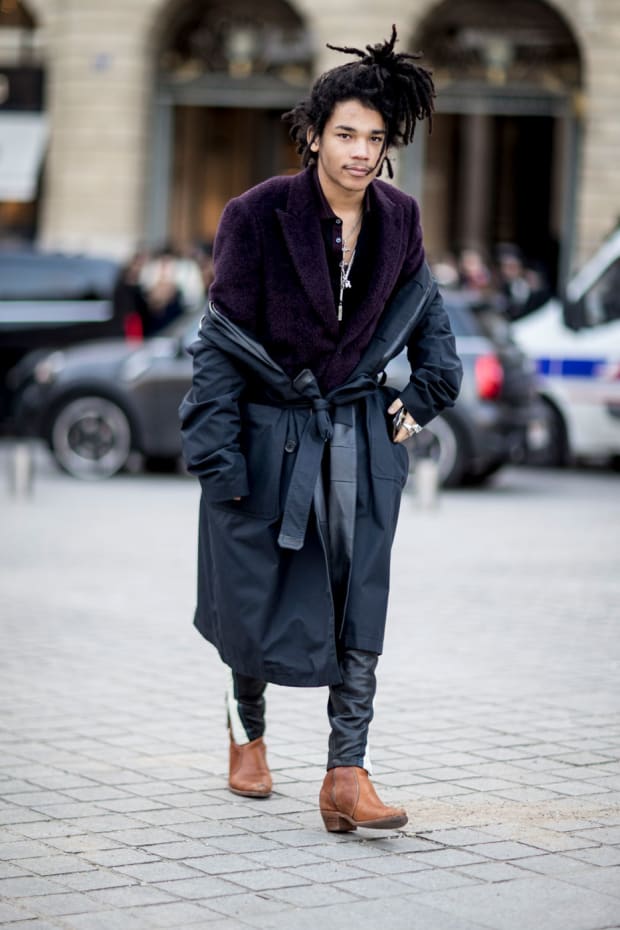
pixel 520 288
pixel 446 271
pixel 319 280
pixel 129 299
pixel 474 272
pixel 163 294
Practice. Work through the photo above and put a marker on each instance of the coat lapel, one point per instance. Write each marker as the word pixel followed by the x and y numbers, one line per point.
pixel 386 263
pixel 301 227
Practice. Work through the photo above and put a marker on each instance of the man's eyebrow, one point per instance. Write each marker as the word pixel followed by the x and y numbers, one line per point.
pixel 373 132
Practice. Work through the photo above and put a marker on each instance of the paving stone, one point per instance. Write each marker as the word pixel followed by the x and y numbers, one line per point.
pixel 143 836
pixel 244 843
pixel 158 871
pixel 248 906
pixel 600 855
pixel 313 895
pixel 377 886
pixel 459 836
pixel 326 872
pixel 11 870
pixel 281 858
pixel 27 887
pixel 183 849
pixel 130 895
pixel 119 856
pixel 584 758
pixel 343 850
pixel 528 904
pixel 59 905
pixel 10 913
pixel 21 850
pixel 107 919
pixel 506 851
pixel 35 924
pixel 94 880
pixel 204 829
pixel 436 879
pixel 174 915
pixel 56 865
pixel 48 829
pixel 403 913
pixel 449 858
pixel 594 834
pixel 205 886
pixel 494 871
pixel 576 788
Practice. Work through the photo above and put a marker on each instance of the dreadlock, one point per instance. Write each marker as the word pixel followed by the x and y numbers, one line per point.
pixel 386 81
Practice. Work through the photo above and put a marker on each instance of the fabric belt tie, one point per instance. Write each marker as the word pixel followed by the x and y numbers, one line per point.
pixel 319 430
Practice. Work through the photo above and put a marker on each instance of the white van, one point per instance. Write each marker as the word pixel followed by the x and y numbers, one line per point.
pixel 575 345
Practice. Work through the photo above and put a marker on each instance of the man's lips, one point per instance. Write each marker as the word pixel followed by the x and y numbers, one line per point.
pixel 357 169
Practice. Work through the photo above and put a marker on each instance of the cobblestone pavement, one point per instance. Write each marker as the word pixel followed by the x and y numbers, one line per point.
pixel 497 723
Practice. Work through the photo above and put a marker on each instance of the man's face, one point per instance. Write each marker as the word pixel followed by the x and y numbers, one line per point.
pixel 350 150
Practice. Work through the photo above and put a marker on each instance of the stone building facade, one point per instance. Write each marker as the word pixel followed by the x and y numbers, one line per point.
pixel 158 110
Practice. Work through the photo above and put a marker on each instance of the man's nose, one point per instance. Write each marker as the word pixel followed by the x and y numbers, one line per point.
pixel 361 149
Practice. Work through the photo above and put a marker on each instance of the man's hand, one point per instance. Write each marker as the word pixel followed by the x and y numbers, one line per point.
pixel 402 433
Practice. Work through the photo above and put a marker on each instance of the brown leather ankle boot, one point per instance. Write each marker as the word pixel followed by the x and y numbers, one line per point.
pixel 248 773
pixel 348 801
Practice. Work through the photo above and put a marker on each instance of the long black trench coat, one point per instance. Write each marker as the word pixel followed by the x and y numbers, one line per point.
pixel 299 567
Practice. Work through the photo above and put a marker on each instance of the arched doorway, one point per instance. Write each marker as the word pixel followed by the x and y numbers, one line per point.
pixel 501 164
pixel 23 125
pixel 226 72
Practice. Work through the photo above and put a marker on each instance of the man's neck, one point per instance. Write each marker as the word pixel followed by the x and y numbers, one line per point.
pixel 341 201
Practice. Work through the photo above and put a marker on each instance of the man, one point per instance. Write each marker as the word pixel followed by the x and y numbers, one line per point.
pixel 319 280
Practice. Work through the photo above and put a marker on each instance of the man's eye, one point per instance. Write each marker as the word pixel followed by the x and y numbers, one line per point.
pixel 344 135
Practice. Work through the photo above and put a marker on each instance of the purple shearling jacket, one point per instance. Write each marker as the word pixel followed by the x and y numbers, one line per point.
pixel 272 277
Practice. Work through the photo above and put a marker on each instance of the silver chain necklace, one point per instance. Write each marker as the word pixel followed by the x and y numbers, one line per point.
pixel 345 267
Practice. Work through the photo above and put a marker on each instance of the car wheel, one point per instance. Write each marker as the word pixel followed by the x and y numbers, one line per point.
pixel 440 441
pixel 475 479
pixel 90 437
pixel 555 453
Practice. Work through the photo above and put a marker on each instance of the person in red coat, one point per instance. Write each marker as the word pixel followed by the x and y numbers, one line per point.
pixel 319 278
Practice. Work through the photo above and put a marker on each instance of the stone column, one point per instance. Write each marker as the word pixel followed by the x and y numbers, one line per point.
pixel 98 98
pixel 475 183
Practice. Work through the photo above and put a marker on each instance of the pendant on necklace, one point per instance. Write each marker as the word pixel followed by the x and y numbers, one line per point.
pixel 345 271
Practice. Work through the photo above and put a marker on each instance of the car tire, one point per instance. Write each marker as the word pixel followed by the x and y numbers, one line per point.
pixel 442 441
pixel 90 437
pixel 475 479
pixel 555 454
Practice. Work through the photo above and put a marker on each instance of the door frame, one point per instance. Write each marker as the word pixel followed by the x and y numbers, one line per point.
pixel 261 92
pixel 478 97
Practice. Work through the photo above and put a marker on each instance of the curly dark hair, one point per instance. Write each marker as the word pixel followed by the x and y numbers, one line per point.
pixel 382 79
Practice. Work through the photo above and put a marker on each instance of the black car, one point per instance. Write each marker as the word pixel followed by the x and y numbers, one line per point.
pixel 96 403
pixel 49 300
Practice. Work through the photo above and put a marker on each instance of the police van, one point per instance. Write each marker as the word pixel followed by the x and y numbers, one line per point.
pixel 575 344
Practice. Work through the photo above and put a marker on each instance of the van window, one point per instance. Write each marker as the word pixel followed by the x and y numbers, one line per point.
pixel 602 301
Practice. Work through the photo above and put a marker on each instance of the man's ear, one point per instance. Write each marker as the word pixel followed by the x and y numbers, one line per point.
pixel 312 139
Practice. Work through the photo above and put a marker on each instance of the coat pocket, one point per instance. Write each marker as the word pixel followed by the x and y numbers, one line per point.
pixel 263 437
pixel 388 459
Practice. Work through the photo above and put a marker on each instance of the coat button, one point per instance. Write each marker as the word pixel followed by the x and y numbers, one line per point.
pixel 290 445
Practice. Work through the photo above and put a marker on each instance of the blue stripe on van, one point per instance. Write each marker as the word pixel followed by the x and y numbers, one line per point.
pixel 569 367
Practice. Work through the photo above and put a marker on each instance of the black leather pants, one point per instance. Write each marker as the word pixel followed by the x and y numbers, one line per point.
pixel 349 709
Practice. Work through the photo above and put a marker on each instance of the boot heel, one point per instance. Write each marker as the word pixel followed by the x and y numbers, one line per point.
pixel 334 823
